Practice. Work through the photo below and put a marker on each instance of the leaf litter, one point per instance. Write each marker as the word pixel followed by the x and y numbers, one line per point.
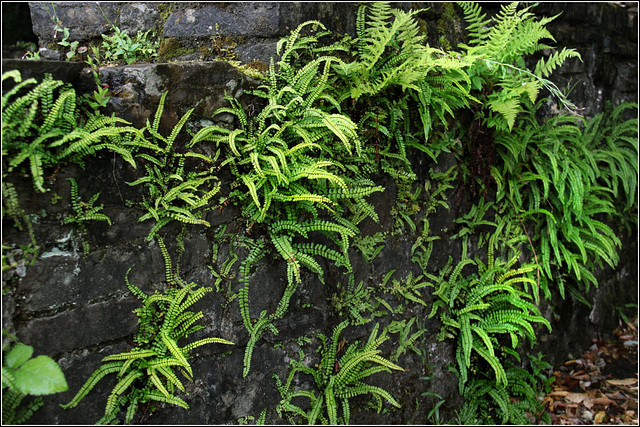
pixel 600 387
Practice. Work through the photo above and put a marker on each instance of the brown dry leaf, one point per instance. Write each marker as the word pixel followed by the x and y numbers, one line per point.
pixel 575 397
pixel 628 381
pixel 617 395
pixel 588 403
pixel 600 417
pixel 631 390
pixel 602 401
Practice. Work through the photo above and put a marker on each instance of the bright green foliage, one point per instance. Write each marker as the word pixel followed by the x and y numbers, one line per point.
pixel 84 211
pixel 406 87
pixel 283 158
pixel 569 177
pixel 337 379
pixel 370 246
pixel 497 48
pixel 489 403
pixel 147 372
pixel 175 192
pixel 23 375
pixel 406 339
pixel 479 308
pixel 43 127
pixel 120 45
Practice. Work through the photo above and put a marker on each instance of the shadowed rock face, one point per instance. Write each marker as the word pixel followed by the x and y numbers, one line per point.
pixel 77 308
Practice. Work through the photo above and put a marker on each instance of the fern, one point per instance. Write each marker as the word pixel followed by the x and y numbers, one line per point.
pixel 497 48
pixel 478 308
pixel 44 128
pixel 174 193
pixel 146 372
pixel 283 158
pixel 391 53
pixel 569 174
pixel 488 403
pixel 337 379
pixel 84 212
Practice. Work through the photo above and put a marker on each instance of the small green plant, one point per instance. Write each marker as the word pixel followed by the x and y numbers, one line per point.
pixel 406 339
pixel 337 379
pixel 407 289
pixel 58 27
pixel 100 96
pixel 120 45
pixel 21 221
pixel 32 55
pixel 489 403
pixel 357 303
pixel 370 246
pixel 174 192
pixel 477 309
pixel 72 46
pixel 496 49
pixel 24 376
pixel 84 212
pixel 44 128
pixel 146 373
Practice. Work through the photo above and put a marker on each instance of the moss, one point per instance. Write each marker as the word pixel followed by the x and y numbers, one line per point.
pixel 165 10
pixel 246 69
pixel 447 28
pixel 258 65
pixel 172 48
pixel 224 47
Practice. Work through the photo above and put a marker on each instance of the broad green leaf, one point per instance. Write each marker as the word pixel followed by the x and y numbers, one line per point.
pixel 39 376
pixel 19 354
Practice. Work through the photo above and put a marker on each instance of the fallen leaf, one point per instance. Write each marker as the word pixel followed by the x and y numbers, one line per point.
pixel 628 381
pixel 587 415
pixel 588 403
pixel 559 393
pixel 602 401
pixel 600 417
pixel 575 397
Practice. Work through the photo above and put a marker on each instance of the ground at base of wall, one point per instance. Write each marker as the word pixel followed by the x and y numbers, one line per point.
pixel 601 386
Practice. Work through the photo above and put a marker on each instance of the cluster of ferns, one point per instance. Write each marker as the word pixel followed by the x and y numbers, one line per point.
pixel 335 113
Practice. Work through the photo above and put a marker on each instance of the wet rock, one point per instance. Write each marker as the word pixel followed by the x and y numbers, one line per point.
pixel 226 19
pixel 201 85
pixel 84 20
pixel 86 326
pixel 139 16
pixel 257 50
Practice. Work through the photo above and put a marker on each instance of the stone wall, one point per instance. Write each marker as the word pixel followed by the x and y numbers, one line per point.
pixel 77 309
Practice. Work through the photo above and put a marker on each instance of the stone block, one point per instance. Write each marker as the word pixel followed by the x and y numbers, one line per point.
pixel 85 326
pixel 250 19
